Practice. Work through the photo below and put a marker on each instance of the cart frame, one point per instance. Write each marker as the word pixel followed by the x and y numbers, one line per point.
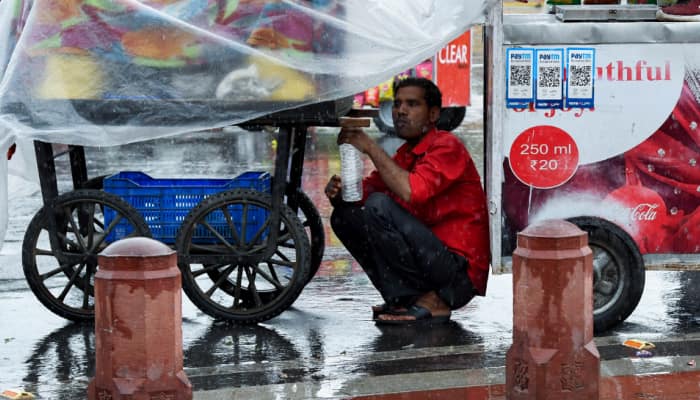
pixel 289 163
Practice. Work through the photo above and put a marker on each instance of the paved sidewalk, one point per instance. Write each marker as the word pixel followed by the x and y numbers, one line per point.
pixel 467 372
pixel 660 378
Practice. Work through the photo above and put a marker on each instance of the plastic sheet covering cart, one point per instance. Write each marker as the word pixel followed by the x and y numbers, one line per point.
pixel 109 72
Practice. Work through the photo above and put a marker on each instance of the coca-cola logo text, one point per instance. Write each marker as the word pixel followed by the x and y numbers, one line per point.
pixel 644 212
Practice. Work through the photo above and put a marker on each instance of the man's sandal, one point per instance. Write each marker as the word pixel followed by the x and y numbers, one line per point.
pixel 421 315
pixel 386 309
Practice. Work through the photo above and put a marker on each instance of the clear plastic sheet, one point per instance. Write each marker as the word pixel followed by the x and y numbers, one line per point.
pixel 103 72
pixel 108 72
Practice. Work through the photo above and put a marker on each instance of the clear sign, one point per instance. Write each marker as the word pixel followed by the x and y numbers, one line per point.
pixel 453 71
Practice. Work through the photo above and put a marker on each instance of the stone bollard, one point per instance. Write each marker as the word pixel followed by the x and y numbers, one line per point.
pixel 553 355
pixel 138 324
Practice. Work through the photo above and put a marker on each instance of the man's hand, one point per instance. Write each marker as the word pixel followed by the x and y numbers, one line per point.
pixel 395 177
pixel 356 137
pixel 333 189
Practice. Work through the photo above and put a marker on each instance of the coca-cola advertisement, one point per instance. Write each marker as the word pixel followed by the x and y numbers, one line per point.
pixel 631 159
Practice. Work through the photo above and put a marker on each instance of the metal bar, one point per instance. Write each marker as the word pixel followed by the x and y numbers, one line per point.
pixel 49 187
pixel 297 165
pixel 545 29
pixel 279 184
pixel 78 166
pixel 606 12
pixel 494 100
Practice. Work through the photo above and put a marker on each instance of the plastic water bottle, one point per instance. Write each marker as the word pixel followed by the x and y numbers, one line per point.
pixel 351 172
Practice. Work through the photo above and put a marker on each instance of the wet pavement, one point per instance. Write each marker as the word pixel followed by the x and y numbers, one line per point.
pixel 326 345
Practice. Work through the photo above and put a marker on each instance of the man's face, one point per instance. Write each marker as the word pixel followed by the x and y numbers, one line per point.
pixel 411 115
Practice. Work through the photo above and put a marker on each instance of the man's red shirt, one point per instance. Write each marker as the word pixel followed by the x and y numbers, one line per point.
pixel 447 196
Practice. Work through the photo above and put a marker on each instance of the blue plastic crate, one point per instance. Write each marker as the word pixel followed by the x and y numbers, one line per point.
pixel 164 204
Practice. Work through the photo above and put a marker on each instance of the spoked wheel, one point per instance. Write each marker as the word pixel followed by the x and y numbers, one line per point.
pixel 313 224
pixel 63 279
pixel 227 271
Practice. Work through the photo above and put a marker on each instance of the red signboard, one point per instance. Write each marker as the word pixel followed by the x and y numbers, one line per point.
pixel 453 70
pixel 544 157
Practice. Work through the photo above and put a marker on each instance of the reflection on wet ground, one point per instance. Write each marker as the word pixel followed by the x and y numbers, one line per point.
pixel 327 336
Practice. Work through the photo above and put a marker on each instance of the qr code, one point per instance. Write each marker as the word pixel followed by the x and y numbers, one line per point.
pixel 549 77
pixel 580 75
pixel 520 75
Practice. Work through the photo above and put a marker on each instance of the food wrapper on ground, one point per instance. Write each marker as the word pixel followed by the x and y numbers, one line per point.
pixel 643 354
pixel 16 394
pixel 638 344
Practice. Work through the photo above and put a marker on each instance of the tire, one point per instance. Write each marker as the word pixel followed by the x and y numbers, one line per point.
pixel 65 283
pixel 313 224
pixel 618 272
pixel 233 279
pixel 450 118
pixel 383 121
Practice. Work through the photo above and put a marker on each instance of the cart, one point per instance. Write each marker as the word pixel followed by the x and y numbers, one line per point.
pixel 593 118
pixel 267 246
pixel 107 67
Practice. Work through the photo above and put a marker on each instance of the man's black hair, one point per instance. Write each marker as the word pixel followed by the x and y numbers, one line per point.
pixel 433 96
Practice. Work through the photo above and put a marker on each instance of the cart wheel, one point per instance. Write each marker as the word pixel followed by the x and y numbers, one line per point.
pixel 221 252
pixel 313 224
pixel 63 281
pixel 618 272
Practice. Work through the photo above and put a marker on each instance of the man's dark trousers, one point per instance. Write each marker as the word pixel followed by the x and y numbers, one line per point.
pixel 401 256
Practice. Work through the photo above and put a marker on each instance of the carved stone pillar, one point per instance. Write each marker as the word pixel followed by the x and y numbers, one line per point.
pixel 553 356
